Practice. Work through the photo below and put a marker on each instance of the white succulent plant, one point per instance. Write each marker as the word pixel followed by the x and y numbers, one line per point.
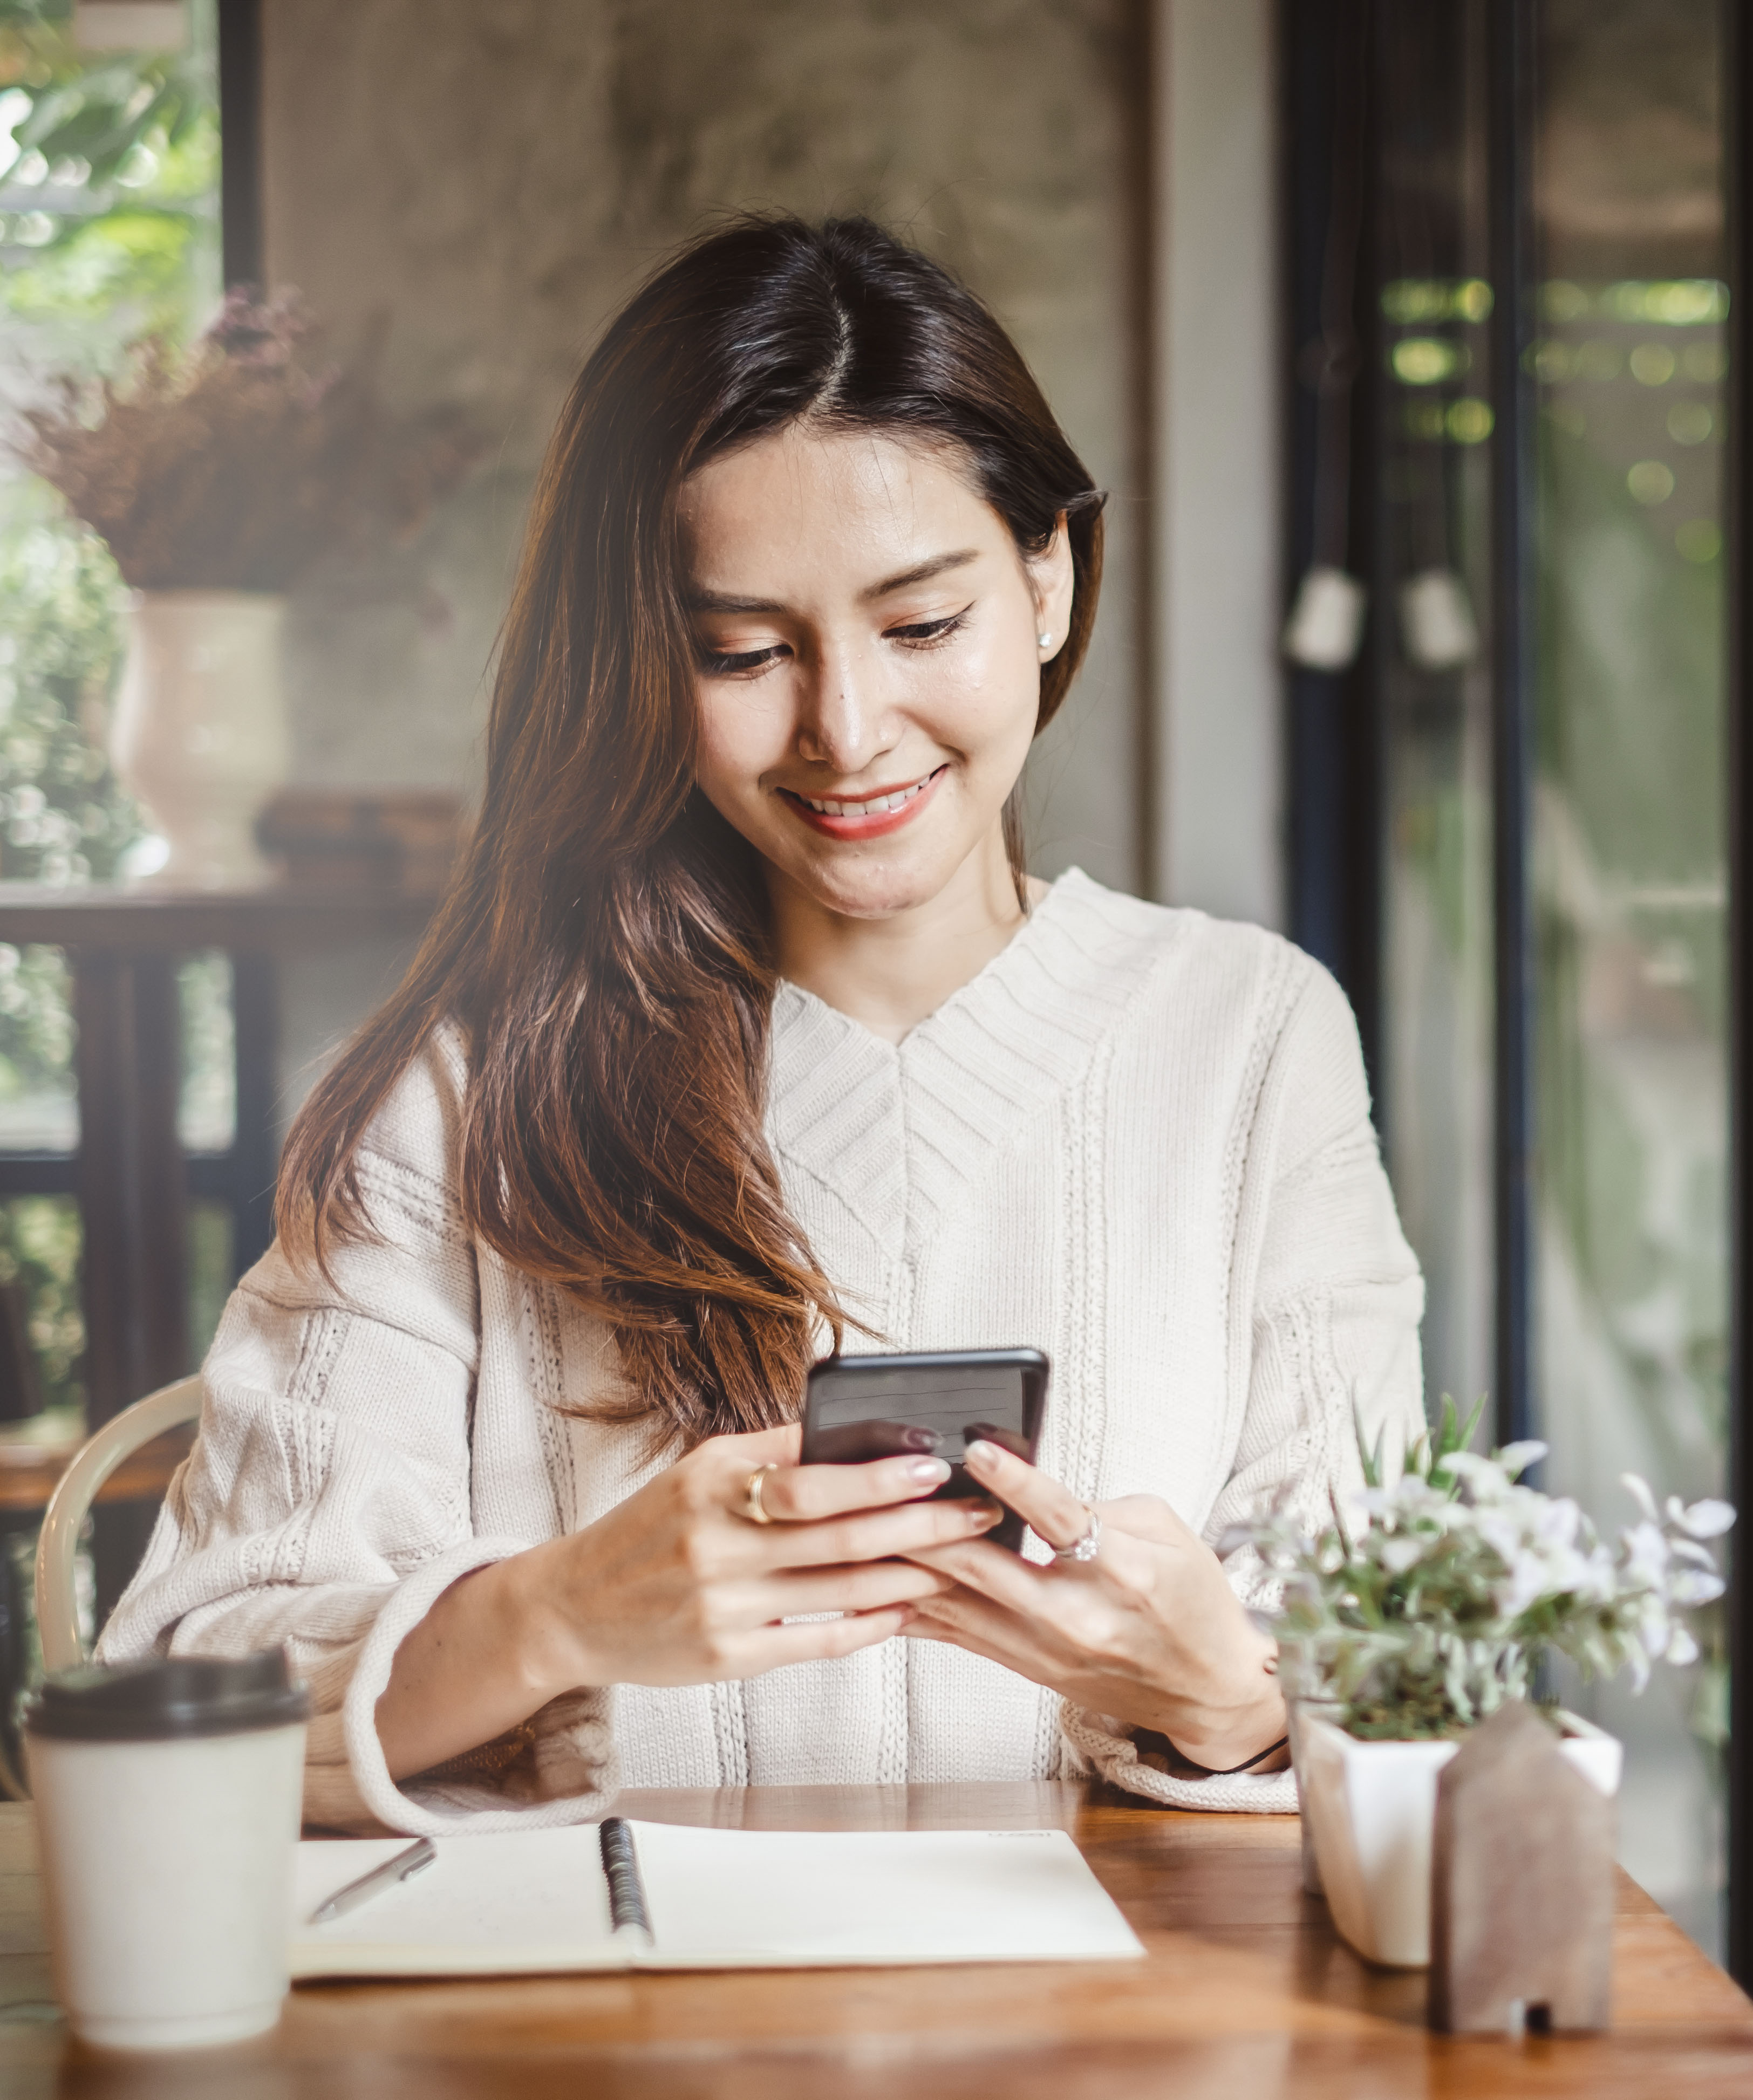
pixel 1432 1600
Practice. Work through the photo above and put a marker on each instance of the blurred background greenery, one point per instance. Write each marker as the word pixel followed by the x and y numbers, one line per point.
pixel 109 233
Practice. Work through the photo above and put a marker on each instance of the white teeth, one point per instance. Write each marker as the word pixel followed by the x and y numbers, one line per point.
pixel 874 807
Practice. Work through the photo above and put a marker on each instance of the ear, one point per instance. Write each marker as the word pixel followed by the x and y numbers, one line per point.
pixel 1054 582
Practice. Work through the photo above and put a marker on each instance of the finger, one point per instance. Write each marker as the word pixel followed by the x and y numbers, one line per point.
pixel 1053 1512
pixel 878 1534
pixel 868 1587
pixel 806 1495
pixel 982 1628
pixel 756 1447
pixel 992 1571
pixel 1148 1516
pixel 824 1640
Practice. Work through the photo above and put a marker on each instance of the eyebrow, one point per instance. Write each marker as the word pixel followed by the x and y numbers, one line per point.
pixel 920 573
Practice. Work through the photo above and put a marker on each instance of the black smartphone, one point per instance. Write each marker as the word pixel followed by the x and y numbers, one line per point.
pixel 859 1408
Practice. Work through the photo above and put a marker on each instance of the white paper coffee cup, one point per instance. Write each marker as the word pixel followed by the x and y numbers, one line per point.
pixel 167 1799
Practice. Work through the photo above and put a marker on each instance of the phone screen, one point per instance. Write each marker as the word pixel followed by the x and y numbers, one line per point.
pixel 861 1408
pixel 937 1411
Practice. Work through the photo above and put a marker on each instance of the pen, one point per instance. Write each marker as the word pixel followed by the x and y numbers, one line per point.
pixel 399 1868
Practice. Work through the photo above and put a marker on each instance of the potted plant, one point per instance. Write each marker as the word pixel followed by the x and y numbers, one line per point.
pixel 216 477
pixel 1420 1611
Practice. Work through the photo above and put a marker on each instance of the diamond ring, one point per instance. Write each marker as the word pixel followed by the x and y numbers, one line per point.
pixel 1083 1548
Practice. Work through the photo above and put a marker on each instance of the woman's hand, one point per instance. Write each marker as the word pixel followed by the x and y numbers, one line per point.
pixel 1149 1631
pixel 678 1584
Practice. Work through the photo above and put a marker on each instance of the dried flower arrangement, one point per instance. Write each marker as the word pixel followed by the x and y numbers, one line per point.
pixel 235 465
pixel 1434 1604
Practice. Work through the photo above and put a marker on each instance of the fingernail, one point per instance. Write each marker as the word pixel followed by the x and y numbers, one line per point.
pixel 984 1517
pixel 982 1455
pixel 928 1473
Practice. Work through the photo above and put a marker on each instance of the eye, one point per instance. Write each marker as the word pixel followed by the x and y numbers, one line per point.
pixel 739 664
pixel 924 633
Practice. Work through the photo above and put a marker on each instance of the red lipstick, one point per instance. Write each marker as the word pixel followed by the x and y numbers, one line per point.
pixel 853 817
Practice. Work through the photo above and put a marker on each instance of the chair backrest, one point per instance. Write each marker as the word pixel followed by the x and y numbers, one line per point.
pixel 58 1542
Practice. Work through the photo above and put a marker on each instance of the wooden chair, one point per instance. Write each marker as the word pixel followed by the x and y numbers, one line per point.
pixel 57 1606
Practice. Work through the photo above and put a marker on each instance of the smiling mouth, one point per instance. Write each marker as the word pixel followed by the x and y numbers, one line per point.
pixel 868 806
pixel 865 816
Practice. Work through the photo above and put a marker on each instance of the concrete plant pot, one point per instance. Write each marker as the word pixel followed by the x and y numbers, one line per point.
pixel 1369 1809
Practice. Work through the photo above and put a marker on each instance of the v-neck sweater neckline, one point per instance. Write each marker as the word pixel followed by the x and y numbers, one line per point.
pixel 899 1130
pixel 1039 914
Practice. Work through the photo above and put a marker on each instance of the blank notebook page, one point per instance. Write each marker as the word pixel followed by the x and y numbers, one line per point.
pixel 517 1899
pixel 779 1898
pixel 717 1900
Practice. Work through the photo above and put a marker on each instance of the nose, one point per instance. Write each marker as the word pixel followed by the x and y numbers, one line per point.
pixel 844 722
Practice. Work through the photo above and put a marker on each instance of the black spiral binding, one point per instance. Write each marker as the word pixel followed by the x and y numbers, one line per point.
pixel 621 1869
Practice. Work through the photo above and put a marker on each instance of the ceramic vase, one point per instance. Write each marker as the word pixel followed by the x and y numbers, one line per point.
pixel 199 734
pixel 1370 1811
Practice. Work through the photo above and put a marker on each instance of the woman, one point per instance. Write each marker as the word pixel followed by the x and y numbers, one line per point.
pixel 742 1031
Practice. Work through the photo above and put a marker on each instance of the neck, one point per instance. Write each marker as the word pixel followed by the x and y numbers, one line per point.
pixel 889 973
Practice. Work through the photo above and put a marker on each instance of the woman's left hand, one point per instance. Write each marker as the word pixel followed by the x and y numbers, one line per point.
pixel 1148 1632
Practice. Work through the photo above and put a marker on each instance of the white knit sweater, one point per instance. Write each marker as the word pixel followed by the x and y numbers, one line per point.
pixel 1139 1139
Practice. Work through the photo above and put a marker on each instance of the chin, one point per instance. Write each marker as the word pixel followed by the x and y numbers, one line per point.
pixel 878 892
pixel 872 900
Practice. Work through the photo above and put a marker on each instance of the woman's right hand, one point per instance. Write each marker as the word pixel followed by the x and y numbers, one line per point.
pixel 677 1585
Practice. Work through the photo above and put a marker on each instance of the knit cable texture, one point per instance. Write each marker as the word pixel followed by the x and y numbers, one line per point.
pixel 1140 1139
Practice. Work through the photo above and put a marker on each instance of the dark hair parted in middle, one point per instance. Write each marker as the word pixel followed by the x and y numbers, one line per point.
pixel 605 946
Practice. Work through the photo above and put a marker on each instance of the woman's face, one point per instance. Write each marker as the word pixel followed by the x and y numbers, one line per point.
pixel 867 635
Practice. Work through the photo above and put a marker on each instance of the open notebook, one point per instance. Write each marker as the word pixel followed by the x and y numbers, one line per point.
pixel 524 1901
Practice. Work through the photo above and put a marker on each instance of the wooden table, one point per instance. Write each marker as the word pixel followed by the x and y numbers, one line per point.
pixel 30 1472
pixel 1246 1995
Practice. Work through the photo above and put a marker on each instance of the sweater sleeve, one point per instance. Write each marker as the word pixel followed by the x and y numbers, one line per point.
pixel 1335 1299
pixel 326 1503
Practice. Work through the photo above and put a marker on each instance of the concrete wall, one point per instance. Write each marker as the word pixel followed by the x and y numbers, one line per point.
pixel 497 175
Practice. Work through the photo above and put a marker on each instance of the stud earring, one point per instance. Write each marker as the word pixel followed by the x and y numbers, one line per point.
pixel 1043 640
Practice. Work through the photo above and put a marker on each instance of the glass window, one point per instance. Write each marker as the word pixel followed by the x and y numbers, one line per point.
pixel 1430 535
pixel 109 233
pixel 1624 313
pixel 1629 874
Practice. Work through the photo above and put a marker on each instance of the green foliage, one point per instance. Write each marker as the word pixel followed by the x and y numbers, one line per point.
pixel 64 817
pixel 101 109
pixel 122 240
pixel 1431 1601
pixel 138 258
pixel 40 1247
pixel 36 1022
pixel 1428 1458
pixel 119 114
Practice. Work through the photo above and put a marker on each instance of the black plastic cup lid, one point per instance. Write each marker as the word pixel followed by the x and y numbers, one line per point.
pixel 165 1698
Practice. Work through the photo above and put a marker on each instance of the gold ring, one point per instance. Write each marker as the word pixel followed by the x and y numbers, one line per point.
pixel 754 1508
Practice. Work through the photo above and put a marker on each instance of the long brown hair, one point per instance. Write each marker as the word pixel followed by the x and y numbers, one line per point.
pixel 605 946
